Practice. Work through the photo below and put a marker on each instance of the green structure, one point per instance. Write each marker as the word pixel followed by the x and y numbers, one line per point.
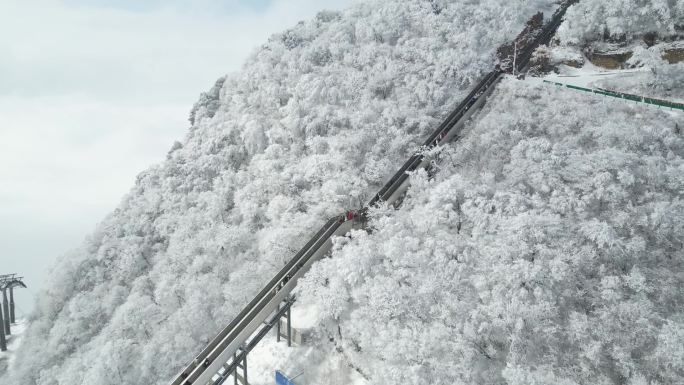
pixel 622 95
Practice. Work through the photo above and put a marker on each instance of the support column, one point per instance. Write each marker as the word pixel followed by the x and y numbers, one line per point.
pixel 5 310
pixel 235 374
pixel 3 340
pixel 12 318
pixel 240 379
pixel 244 369
pixel 289 327
pixel 285 317
pixel 278 325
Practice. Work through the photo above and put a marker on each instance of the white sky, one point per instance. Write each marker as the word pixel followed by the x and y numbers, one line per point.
pixel 92 92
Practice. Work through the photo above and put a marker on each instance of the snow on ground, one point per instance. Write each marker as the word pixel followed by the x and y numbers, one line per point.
pixel 308 363
pixel 634 81
pixel 13 342
pixel 304 317
pixel 648 75
pixel 642 83
pixel 588 75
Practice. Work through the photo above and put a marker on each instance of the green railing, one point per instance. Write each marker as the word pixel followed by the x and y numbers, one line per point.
pixel 622 95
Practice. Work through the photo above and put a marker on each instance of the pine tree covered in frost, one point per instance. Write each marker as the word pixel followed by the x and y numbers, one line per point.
pixel 319 116
pixel 548 249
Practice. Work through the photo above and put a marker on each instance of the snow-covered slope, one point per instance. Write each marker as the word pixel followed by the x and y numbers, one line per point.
pixel 13 343
pixel 591 20
pixel 644 30
pixel 315 121
pixel 548 249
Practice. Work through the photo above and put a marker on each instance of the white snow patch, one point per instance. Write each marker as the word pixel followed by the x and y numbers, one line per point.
pixel 588 75
pixel 13 342
pixel 306 363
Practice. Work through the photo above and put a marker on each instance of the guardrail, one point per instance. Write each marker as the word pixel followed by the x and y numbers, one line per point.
pixel 624 96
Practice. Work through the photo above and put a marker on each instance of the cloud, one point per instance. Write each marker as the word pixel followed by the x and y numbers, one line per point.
pixel 93 92
pixel 51 48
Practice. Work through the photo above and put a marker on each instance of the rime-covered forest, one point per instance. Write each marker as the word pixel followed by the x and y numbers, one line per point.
pixel 546 249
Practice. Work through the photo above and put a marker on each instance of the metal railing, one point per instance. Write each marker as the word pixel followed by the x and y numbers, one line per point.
pixel 624 96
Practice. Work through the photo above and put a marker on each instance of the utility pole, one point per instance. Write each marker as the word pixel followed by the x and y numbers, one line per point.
pixel 515 55
pixel 3 339
pixel 12 318
pixel 8 282
pixel 5 310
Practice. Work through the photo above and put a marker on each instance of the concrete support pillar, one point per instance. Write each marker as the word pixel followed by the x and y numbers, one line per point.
pixel 289 327
pixel 235 374
pixel 240 379
pixel 286 317
pixel 3 340
pixel 278 325
pixel 12 317
pixel 5 311
pixel 244 370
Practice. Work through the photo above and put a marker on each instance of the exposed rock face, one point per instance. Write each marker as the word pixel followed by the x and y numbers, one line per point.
pixel 506 52
pixel 615 55
pixel 674 55
pixel 610 60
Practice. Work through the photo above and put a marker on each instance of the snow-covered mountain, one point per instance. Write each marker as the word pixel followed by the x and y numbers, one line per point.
pixel 548 248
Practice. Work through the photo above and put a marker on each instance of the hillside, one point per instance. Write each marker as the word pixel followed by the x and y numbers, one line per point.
pixel 547 249
pixel 313 124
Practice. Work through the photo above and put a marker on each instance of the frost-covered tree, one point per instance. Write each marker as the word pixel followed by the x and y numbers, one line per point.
pixel 547 249
pixel 208 102
pixel 317 119
pixel 593 20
